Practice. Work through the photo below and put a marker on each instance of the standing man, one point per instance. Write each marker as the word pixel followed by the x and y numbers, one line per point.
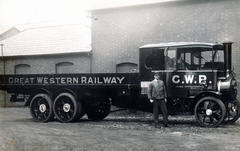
pixel 157 94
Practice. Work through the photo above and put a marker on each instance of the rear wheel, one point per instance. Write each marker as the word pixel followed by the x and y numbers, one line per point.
pixel 232 112
pixel 41 108
pixel 66 108
pixel 100 111
pixel 210 112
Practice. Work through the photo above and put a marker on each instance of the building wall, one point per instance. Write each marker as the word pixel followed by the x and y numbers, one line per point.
pixel 42 65
pixel 3 95
pixel 46 64
pixel 118 33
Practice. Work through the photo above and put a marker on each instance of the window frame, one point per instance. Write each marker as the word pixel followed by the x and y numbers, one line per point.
pixel 25 67
pixel 62 64
pixel 126 63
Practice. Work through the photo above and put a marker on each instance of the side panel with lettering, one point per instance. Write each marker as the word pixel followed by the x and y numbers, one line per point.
pixel 179 83
pixel 70 79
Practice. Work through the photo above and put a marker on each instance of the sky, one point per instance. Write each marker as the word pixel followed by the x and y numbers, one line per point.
pixel 30 13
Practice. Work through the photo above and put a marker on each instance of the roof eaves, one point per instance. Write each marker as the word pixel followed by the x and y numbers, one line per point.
pixel 172 44
pixel 50 54
pixel 129 4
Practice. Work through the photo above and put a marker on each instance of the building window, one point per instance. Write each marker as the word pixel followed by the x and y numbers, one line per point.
pixel 64 67
pixel 126 67
pixel 22 69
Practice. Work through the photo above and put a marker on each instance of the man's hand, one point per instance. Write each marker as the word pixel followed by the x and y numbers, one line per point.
pixel 165 100
pixel 151 100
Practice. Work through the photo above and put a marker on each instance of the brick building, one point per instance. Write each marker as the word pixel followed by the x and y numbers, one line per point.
pixel 48 50
pixel 119 28
pixel 56 49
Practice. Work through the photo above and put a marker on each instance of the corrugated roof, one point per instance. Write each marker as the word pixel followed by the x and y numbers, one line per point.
pixel 121 3
pixel 48 40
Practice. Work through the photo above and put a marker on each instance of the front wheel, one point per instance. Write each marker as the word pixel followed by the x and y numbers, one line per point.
pixel 210 111
pixel 66 108
pixel 232 112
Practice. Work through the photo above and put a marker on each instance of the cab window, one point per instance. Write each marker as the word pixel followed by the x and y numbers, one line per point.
pixel 155 60
pixel 199 58
pixel 170 60
pixel 188 58
pixel 212 60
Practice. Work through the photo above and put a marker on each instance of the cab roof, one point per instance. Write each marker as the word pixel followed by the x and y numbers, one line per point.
pixel 176 44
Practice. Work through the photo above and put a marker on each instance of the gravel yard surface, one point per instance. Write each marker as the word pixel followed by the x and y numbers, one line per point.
pixel 125 130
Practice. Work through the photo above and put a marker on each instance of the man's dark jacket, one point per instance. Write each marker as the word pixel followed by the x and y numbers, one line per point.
pixel 156 90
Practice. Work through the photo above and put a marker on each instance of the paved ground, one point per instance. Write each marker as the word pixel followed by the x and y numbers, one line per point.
pixel 119 131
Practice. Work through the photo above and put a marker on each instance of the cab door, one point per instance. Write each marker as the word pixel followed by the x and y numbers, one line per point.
pixel 181 68
pixel 171 67
pixel 185 75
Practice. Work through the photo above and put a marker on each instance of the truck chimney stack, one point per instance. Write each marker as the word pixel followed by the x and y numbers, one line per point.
pixel 228 56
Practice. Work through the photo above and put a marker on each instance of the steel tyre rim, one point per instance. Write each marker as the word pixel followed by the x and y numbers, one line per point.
pixel 66 108
pixel 232 112
pixel 41 108
pixel 101 112
pixel 210 112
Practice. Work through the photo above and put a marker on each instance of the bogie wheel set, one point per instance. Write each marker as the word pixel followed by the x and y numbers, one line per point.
pixel 65 107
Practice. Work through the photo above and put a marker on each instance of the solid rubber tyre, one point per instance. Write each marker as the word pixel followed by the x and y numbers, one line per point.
pixel 210 111
pixel 41 108
pixel 233 112
pixel 100 112
pixel 66 108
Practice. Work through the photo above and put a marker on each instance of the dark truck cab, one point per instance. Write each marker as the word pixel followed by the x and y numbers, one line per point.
pixel 198 77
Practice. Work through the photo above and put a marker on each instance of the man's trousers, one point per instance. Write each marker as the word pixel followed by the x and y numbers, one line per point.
pixel 160 104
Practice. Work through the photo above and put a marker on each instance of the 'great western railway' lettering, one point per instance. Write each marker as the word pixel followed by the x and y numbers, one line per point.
pixel 66 80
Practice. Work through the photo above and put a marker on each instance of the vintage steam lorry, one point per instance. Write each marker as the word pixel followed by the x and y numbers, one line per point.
pixel 198 77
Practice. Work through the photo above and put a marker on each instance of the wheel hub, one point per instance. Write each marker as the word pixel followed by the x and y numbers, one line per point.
pixel 42 108
pixel 66 107
pixel 208 112
pixel 233 109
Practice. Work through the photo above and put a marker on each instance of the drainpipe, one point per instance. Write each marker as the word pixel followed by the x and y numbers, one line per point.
pixel 4 93
pixel 90 61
